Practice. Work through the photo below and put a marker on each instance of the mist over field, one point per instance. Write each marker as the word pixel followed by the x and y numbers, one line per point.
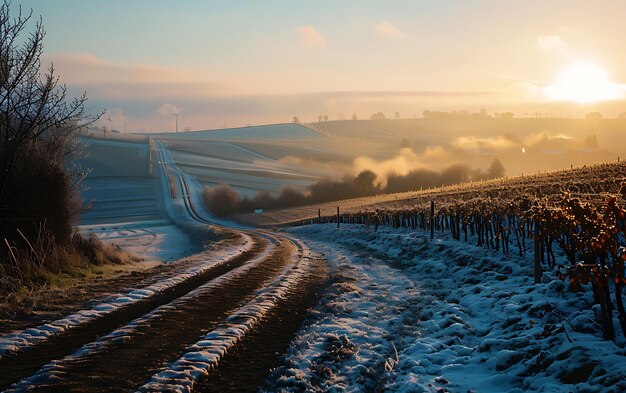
pixel 312 196
pixel 267 158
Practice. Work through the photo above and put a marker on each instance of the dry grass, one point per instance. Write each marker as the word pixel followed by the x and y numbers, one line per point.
pixel 44 264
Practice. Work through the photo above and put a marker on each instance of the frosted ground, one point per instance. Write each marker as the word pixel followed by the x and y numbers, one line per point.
pixel 253 159
pixel 127 204
pixel 268 157
pixel 409 315
pixel 401 313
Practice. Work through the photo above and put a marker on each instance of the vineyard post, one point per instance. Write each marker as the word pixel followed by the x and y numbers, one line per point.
pixel 432 220
pixel 319 216
pixel 337 216
pixel 538 253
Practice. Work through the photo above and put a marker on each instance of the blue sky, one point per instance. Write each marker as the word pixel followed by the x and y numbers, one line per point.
pixel 199 56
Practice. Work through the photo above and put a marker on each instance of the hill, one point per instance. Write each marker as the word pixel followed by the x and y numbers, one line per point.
pixel 593 183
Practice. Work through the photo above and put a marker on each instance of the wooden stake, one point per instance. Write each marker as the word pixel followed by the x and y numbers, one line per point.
pixel 432 220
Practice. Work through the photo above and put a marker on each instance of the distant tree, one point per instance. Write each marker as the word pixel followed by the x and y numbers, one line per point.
pixel 378 116
pixel 495 170
pixel 354 116
pixel 594 116
pixel 365 183
pixel 412 180
pixel 404 143
pixel 507 115
pixel 320 118
pixel 221 200
pixel 296 120
pixel 263 200
pixel 290 197
pixel 455 174
pixel 325 117
pixel 397 115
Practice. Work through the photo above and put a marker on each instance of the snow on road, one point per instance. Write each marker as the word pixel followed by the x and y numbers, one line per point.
pixel 157 240
pixel 20 340
pixel 461 318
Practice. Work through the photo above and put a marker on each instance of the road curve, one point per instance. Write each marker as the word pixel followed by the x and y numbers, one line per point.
pixel 220 327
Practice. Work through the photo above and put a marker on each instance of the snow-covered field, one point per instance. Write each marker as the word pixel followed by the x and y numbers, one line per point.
pixel 410 315
pixel 157 240
pixel 252 159
pixel 127 203
pixel 402 313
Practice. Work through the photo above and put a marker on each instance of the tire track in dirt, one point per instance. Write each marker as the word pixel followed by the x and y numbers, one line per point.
pixel 259 299
pixel 27 361
pixel 132 355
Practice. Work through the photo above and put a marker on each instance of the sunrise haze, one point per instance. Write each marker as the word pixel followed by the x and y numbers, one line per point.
pixel 237 63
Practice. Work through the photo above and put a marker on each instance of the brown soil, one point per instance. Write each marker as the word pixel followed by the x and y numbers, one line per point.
pixel 31 307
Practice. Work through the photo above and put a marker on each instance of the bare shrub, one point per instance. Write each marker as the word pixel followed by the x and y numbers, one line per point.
pixel 290 197
pixel 263 200
pixel 221 200
pixel 38 125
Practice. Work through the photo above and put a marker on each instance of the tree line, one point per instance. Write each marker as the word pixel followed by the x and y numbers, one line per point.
pixel 223 201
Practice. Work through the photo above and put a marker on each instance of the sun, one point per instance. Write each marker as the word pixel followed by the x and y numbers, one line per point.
pixel 584 83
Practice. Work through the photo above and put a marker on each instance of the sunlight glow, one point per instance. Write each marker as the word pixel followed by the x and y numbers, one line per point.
pixel 584 82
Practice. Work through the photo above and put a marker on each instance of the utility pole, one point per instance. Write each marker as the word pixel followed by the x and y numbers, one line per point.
pixel 176 115
pixel 150 155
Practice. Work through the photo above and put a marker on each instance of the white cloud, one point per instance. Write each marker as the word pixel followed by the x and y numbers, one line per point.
pixel 168 109
pixel 388 30
pixel 310 37
pixel 552 43
pixel 86 68
pixel 103 79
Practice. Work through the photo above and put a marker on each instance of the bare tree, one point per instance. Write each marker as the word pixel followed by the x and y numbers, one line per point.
pixel 34 107
pixel 38 123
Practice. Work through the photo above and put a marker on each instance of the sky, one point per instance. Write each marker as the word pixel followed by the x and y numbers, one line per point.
pixel 234 63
